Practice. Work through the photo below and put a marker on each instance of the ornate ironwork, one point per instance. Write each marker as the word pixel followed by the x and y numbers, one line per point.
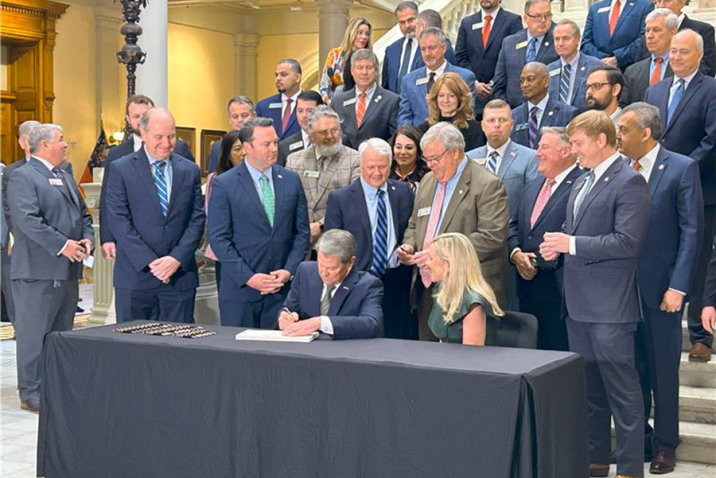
pixel 131 54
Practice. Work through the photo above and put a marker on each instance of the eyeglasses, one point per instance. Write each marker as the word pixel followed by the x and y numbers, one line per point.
pixel 542 18
pixel 434 160
pixel 597 86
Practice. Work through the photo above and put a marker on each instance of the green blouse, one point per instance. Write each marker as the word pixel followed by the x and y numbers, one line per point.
pixel 452 332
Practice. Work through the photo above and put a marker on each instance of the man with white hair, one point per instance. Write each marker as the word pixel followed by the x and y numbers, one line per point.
pixel 458 195
pixel 376 210
pixel 53 233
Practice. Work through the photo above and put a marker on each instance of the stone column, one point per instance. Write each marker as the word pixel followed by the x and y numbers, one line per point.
pixel 110 94
pixel 245 54
pixel 152 76
pixel 332 24
pixel 576 10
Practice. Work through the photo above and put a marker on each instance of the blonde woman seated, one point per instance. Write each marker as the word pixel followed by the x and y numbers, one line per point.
pixel 465 304
pixel 337 70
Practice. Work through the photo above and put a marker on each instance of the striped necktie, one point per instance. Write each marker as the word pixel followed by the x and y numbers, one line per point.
pixel 564 79
pixel 533 127
pixel 160 181
pixel 380 239
pixel 360 109
pixel 492 161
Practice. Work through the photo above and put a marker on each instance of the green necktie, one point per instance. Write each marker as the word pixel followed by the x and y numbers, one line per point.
pixel 267 198
pixel 326 300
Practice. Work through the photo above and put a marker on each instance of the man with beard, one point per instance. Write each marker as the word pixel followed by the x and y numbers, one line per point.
pixel 324 166
pixel 281 107
pixel 604 88
pixel 240 110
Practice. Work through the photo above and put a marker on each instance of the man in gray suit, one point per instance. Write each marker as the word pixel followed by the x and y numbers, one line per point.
pixel 606 224
pixel 53 235
pixel 366 111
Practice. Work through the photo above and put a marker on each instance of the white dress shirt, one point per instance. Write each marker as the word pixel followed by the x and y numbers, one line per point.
pixel 284 102
pixel 413 50
pixel 326 324
pixel 137 142
pixel 438 72
pixel 675 85
pixel 647 163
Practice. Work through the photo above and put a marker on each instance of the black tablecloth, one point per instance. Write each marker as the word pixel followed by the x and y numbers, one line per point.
pixel 119 405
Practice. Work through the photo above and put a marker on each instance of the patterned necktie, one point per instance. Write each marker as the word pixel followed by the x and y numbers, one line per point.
pixel 544 194
pixel 486 30
pixel 160 181
pixel 431 81
pixel 286 115
pixel 360 110
pixel 380 240
pixel 583 193
pixel 492 161
pixel 432 229
pixel 656 76
pixel 675 98
pixel 614 17
pixel 326 299
pixel 531 50
pixel 533 127
pixel 564 80
pixel 267 198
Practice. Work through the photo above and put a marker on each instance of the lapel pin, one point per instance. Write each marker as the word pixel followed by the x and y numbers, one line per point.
pixel 513 154
pixel 569 181
pixel 606 179
pixel 583 68
pixel 546 43
pixel 550 113
pixel 661 166
pixel 279 176
pixel 393 188
pixel 460 191
pixel 345 288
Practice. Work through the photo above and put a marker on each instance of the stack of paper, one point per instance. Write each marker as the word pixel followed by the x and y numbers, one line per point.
pixel 273 336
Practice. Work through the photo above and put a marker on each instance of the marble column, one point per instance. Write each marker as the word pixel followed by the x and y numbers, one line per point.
pixel 576 10
pixel 245 56
pixel 332 24
pixel 152 76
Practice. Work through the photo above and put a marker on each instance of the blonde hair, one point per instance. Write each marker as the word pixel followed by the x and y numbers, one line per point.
pixel 463 273
pixel 457 86
pixel 347 45
pixel 593 123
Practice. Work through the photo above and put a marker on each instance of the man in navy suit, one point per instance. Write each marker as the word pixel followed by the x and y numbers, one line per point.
pixel 614 30
pixel 402 56
pixel 240 110
pixel 568 75
pixel 413 107
pixel 542 209
pixel 666 266
pixel 479 40
pixel 156 213
pixel 376 210
pixel 534 43
pixel 604 87
pixel 606 223
pixel 258 228
pixel 332 295
pixel 540 109
pixel 281 107
pixel 687 105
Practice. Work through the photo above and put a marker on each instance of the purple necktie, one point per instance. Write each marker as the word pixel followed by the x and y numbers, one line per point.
pixel 534 127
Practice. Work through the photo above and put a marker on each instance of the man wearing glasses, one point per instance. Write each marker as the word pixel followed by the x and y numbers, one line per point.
pixel 458 195
pixel 604 89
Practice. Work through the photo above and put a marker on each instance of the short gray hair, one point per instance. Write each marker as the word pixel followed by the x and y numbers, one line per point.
pixel 320 112
pixel 558 131
pixel 431 18
pixel 699 38
pixel 40 133
pixel 435 32
pixel 671 20
pixel 337 243
pixel 447 133
pixel 241 100
pixel 575 28
pixel 406 5
pixel 23 131
pixel 529 3
pixel 646 116
pixel 379 146
pixel 364 54
pixel 147 116
pixel 246 133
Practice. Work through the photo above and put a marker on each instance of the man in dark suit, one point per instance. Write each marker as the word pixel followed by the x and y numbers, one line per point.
pixel 376 210
pixel 606 222
pixel 8 308
pixel 614 29
pixel 258 228
pixel 414 88
pixel 568 75
pixel 542 209
pixel 53 235
pixel 281 107
pixel 661 26
pixel 534 43
pixel 431 19
pixel 368 110
pixel 539 108
pixel 604 87
pixel 687 105
pixel 479 40
pixel 664 272
pixel 402 56
pixel 156 212
pixel 332 295
pixel 306 103
pixel 240 110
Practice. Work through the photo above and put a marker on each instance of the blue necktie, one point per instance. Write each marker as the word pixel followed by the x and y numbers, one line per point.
pixel 533 127
pixel 583 193
pixel 492 161
pixel 564 80
pixel 531 50
pixel 160 181
pixel 380 240
pixel 675 100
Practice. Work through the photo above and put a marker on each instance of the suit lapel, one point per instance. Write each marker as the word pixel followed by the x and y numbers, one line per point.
pixel 278 192
pixel 580 78
pixel 140 162
pixel 248 183
pixel 550 112
pixel 179 175
pixel 557 194
pixel 39 166
pixel 393 198
pixel 330 166
pixel 510 155
pixel 315 294
pixel 359 198
pixel 658 169
pixel 598 188
pixel 373 105
pixel 694 86
pixel 663 100
pixel 545 46
pixel 462 186
pixel 342 293
pixel 429 185
pixel 623 16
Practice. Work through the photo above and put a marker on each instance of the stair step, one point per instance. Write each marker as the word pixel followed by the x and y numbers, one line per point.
pixel 697 404
pixel 698 442
pixel 697 374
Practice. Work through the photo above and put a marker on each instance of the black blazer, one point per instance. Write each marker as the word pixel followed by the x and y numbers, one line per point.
pixel 637 80
pixel 289 145
pixel 473 134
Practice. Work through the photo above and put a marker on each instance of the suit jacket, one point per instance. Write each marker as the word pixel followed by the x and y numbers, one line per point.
pixel 45 215
pixel 670 252
pixel 469 50
pixel 392 59
pixel 241 236
pixel 338 171
pixel 356 309
pixel 517 168
pixel 692 131
pixel 511 62
pixel 478 209
pixel 286 146
pixel 625 43
pixel 271 108
pixel 579 91
pixel 710 287
pixel 610 227
pixel 124 149
pixel 347 209
pixel 637 79
pixel 547 284
pixel 142 232
pixel 413 108
pixel 556 114
pixel 379 121
pixel 214 155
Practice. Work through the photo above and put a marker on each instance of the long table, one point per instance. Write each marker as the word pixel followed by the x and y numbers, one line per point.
pixel 120 405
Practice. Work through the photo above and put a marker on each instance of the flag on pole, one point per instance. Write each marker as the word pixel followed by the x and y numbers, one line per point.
pixel 96 157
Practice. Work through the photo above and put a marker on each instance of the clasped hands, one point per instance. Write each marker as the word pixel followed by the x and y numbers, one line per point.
pixel 163 268
pixel 77 251
pixel 291 326
pixel 269 283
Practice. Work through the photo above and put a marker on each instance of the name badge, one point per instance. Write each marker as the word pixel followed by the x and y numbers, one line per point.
pixel 477 26
pixel 521 45
pixel 555 72
pixel 311 174
pixel 274 106
pixel 522 127
pixel 603 10
pixel 421 81
pixel 295 146
pixel 55 182
pixel 424 211
pixel 349 102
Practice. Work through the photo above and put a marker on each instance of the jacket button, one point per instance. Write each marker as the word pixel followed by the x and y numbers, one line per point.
pixel 529 237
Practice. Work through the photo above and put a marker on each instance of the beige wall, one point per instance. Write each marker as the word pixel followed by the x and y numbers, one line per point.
pixel 273 48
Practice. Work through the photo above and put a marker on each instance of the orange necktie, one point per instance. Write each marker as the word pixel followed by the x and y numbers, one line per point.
pixel 486 30
pixel 614 18
pixel 656 76
pixel 360 110
pixel 637 166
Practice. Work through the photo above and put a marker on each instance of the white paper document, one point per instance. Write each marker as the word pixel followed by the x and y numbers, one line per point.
pixel 273 336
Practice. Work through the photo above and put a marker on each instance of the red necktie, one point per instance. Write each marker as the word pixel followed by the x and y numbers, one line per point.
pixel 360 110
pixel 541 202
pixel 286 116
pixel 656 76
pixel 432 229
pixel 486 30
pixel 614 18
pixel 637 166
